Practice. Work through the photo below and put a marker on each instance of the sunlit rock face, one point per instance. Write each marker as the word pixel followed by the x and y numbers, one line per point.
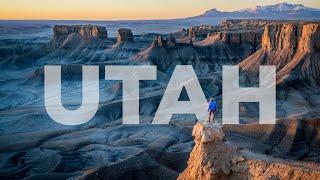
pixel 293 48
pixel 71 35
pixel 243 37
pixel 301 37
pixel 215 157
pixel 244 42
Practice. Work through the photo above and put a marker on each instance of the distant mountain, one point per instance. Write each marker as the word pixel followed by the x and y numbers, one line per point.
pixel 278 11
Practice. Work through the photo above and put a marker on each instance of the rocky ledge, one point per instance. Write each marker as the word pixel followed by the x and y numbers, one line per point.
pixel 214 157
pixel 69 35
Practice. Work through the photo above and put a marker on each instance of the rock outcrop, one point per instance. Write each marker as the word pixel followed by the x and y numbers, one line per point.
pixel 214 157
pixel 165 57
pixel 192 33
pixel 125 46
pixel 243 37
pixel 293 48
pixel 252 38
pixel 241 25
pixel 200 31
pixel 124 35
pixel 71 35
pixel 167 53
pixel 170 42
pixel 244 43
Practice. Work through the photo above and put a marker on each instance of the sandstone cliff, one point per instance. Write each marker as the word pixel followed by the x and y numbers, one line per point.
pixel 170 42
pixel 243 37
pixel 293 47
pixel 214 157
pixel 72 35
pixel 124 35
pixel 238 38
pixel 125 46
pixel 244 43
pixel 241 25
pixel 167 53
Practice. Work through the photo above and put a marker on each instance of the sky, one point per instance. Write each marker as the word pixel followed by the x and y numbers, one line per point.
pixel 124 9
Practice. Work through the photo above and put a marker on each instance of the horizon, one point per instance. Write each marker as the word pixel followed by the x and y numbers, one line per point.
pixel 98 10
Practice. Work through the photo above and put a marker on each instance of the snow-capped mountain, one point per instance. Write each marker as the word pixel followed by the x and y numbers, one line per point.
pixel 277 11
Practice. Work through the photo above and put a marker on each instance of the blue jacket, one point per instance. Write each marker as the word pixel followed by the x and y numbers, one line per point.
pixel 212 106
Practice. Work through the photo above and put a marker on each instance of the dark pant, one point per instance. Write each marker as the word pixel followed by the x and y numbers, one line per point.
pixel 211 116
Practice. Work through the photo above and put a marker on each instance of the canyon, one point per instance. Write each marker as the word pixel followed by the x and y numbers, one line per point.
pixel 33 146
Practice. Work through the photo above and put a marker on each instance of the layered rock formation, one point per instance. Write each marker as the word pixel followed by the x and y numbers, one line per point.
pixel 125 46
pixel 244 43
pixel 170 42
pixel 200 32
pixel 192 33
pixel 293 48
pixel 214 157
pixel 71 35
pixel 124 35
pixel 252 38
pixel 243 37
pixel 241 25
pixel 167 53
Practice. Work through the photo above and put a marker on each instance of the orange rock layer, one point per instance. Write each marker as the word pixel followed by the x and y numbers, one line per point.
pixel 215 158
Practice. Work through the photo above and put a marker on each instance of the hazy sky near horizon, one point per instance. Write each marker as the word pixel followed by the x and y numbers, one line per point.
pixel 125 9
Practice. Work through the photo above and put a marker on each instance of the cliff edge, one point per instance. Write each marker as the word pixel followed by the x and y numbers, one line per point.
pixel 293 48
pixel 214 157
pixel 66 36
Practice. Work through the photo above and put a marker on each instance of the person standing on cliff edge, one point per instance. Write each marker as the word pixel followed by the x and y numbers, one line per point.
pixel 212 109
